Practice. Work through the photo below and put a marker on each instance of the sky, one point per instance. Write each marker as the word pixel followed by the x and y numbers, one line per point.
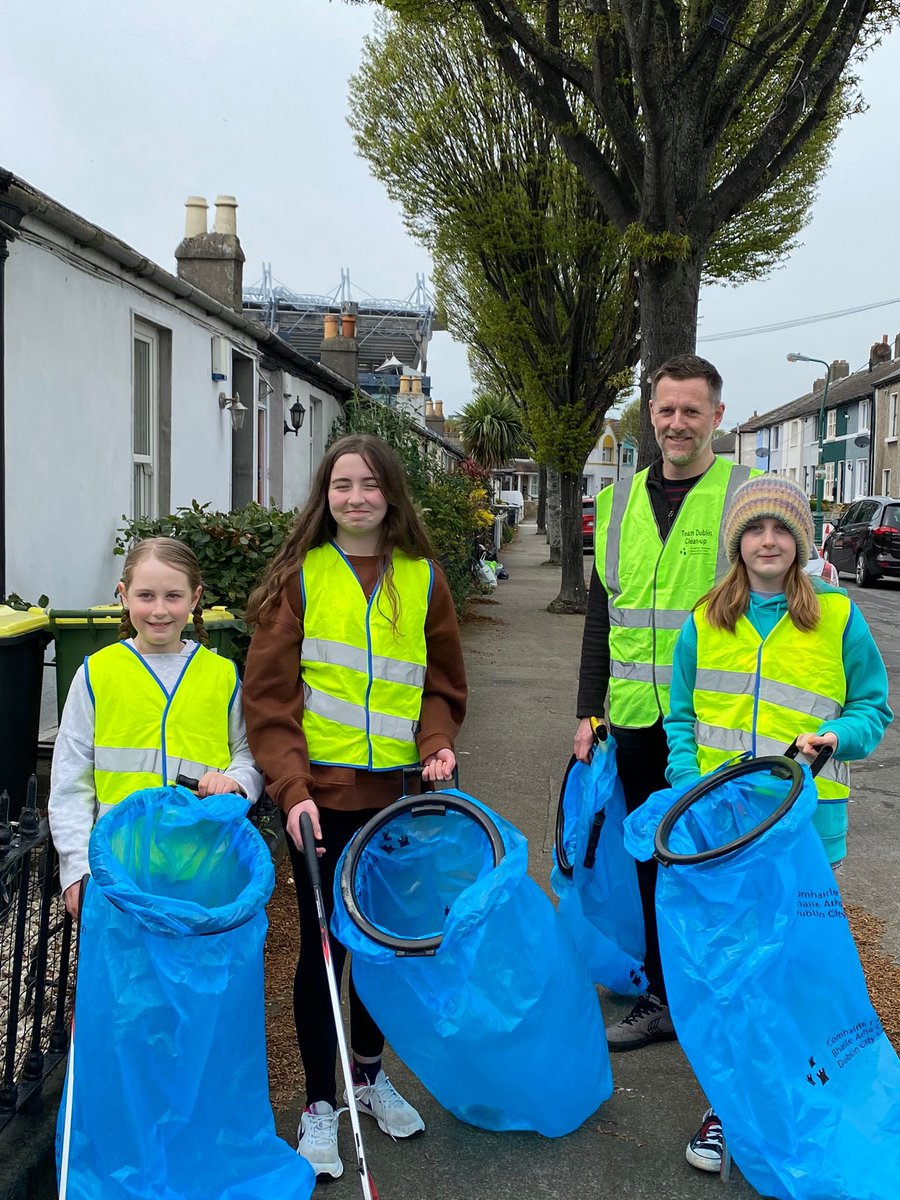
pixel 121 110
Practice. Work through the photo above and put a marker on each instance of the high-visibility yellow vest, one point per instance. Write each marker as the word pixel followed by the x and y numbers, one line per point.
pixel 146 738
pixel 754 696
pixel 653 585
pixel 362 680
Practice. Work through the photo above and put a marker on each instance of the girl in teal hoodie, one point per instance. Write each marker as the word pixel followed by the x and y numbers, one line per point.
pixel 767 655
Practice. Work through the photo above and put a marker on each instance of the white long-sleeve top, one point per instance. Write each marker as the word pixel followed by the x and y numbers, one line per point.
pixel 73 805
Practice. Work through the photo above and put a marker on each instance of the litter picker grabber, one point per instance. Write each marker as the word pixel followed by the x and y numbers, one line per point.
pixel 369 1190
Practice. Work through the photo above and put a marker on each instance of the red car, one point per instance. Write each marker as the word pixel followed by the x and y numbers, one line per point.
pixel 587 522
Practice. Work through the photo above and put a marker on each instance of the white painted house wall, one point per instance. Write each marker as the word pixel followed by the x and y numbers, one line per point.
pixel 70 319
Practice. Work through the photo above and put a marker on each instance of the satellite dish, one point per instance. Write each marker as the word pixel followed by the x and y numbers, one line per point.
pixel 862 441
pixel 762 452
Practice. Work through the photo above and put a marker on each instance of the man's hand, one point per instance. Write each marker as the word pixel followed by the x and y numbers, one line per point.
pixel 293 824
pixel 584 740
pixel 439 766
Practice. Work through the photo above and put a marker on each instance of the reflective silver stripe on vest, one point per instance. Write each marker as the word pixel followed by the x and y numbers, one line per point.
pixel 145 762
pixel 742 683
pixel 646 618
pixel 641 672
pixel 390 670
pixel 738 476
pixel 621 493
pixel 354 716
pixel 739 741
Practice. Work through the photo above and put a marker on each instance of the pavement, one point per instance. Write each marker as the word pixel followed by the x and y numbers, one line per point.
pixel 522 665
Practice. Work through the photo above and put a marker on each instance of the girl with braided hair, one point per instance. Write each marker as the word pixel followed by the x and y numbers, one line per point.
pixel 146 709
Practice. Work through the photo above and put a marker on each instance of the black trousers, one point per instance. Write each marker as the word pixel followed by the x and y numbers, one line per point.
pixel 641 757
pixel 316 1036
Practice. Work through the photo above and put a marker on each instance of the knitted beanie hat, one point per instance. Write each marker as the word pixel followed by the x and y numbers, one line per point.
pixel 769 496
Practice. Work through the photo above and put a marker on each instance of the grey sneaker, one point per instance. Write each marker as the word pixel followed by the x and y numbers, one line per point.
pixel 381 1100
pixel 649 1021
pixel 318 1138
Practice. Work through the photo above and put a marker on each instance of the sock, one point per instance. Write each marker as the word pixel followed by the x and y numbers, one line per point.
pixel 365 1072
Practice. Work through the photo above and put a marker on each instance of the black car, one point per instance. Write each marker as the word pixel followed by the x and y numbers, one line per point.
pixel 866 540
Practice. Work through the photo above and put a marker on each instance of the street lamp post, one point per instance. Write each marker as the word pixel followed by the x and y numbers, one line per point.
pixel 819 518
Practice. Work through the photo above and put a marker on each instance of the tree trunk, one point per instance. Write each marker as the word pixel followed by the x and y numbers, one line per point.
pixel 670 297
pixel 542 500
pixel 553 515
pixel 572 596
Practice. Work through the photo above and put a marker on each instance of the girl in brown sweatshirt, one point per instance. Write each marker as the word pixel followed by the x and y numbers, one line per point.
pixel 355 670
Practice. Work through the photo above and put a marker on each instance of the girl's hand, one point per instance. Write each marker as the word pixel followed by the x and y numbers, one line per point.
pixel 293 824
pixel 438 766
pixel 72 896
pixel 809 744
pixel 214 784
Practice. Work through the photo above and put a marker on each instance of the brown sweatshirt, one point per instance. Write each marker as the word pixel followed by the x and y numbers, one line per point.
pixel 273 702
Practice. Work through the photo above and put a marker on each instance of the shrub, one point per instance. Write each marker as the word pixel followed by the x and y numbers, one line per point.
pixel 232 548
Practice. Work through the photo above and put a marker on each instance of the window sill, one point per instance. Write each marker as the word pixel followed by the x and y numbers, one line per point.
pixel 890 441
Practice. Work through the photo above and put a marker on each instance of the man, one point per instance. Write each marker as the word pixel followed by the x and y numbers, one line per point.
pixel 657 550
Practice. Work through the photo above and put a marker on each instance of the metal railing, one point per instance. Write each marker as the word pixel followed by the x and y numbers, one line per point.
pixel 36 950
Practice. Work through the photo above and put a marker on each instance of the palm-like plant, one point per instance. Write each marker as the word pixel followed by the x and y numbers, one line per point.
pixel 491 430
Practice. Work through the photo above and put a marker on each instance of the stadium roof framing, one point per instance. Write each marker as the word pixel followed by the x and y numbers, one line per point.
pixel 402 328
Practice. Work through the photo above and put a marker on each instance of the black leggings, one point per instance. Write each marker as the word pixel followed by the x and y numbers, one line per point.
pixel 316 1036
pixel 641 757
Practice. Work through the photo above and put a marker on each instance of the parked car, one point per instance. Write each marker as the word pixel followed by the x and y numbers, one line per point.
pixel 587 522
pixel 820 566
pixel 866 540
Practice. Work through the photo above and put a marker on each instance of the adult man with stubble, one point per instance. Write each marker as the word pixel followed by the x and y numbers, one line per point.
pixel 657 550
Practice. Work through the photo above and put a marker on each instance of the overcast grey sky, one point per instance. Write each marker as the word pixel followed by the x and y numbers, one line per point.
pixel 121 110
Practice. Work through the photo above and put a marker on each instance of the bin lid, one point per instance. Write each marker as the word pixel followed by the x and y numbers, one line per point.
pixel 111 614
pixel 14 622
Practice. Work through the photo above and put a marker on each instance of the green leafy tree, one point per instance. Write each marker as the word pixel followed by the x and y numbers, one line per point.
pixel 713 120
pixel 529 272
pixel 630 422
pixel 491 430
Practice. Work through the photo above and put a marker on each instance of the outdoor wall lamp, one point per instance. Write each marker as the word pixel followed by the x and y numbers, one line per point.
pixel 238 411
pixel 297 413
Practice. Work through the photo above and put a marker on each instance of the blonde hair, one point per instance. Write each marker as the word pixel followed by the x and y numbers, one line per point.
pixel 174 554
pixel 729 600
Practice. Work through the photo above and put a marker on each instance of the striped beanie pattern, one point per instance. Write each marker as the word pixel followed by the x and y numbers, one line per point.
pixel 769 496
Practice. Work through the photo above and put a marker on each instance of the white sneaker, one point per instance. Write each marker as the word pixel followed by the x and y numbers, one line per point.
pixel 318 1138
pixel 382 1101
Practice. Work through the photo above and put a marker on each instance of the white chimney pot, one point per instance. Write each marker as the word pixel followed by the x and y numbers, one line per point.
pixel 195 216
pixel 226 215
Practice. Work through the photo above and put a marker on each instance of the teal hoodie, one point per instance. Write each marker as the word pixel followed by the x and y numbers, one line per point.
pixel 859 728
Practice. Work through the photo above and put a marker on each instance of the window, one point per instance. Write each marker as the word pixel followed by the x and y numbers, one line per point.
pixel 627 456
pixel 831 423
pixel 863 414
pixel 776 437
pixel 795 433
pixel 886 481
pixel 892 420
pixel 829 481
pixel 606 451
pixel 145 420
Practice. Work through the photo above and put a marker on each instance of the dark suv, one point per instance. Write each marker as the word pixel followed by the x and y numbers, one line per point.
pixel 866 540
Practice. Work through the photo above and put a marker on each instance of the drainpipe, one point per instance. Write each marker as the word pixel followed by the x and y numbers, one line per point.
pixel 11 215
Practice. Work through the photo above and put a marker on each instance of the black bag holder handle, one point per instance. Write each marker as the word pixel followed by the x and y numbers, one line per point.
pixel 601 733
pixel 783 766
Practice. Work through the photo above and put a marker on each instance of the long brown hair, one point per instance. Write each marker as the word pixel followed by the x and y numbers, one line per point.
pixel 174 554
pixel 730 599
pixel 402 528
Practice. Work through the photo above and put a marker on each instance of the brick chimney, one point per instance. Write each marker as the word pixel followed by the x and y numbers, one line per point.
pixel 212 262
pixel 434 420
pixel 840 369
pixel 880 352
pixel 340 351
pixel 897 346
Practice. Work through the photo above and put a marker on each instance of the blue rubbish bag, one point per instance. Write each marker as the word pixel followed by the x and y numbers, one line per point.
pixel 766 988
pixel 594 876
pixel 167 1091
pixel 461 960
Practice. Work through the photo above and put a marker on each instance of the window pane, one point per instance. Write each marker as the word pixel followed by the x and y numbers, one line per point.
pixel 142 397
